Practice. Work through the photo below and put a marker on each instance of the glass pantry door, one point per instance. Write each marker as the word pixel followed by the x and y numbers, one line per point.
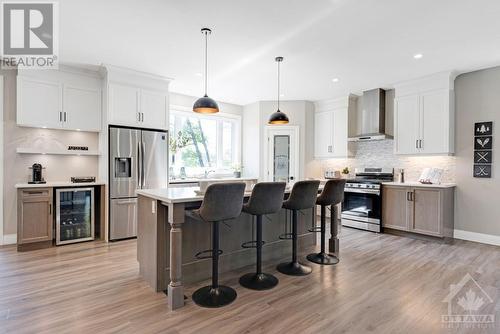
pixel 74 215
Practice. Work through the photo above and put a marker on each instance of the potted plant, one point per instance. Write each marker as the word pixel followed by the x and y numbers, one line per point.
pixel 345 172
pixel 237 170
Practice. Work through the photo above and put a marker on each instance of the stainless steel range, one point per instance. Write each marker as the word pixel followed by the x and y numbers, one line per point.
pixel 362 206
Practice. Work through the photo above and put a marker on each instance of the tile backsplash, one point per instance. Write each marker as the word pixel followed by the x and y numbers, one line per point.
pixel 380 153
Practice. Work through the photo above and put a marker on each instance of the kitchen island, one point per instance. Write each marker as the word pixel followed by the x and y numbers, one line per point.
pixel 168 239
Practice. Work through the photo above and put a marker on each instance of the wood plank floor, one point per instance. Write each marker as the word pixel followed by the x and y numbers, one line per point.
pixel 383 284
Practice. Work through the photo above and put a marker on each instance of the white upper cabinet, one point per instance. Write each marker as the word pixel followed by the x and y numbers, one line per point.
pixel 154 109
pixel 330 129
pixel 64 99
pixel 137 99
pixel 424 116
pixel 39 103
pixel 82 108
pixel 123 104
pixel 406 127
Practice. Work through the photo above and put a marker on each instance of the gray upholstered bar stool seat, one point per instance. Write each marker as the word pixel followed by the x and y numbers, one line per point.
pixel 222 201
pixel 332 194
pixel 303 196
pixel 266 198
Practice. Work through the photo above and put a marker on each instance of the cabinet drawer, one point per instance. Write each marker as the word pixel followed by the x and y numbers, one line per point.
pixel 36 192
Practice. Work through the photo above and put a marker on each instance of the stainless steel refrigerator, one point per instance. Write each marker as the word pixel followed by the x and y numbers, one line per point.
pixel 138 159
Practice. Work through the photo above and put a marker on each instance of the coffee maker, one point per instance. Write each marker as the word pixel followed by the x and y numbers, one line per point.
pixel 36 177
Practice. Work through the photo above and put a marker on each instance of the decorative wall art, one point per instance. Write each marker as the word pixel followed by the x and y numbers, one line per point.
pixel 483 157
pixel 483 145
pixel 483 129
pixel 482 171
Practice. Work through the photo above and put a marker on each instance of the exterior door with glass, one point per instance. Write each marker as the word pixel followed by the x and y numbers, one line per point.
pixel 282 153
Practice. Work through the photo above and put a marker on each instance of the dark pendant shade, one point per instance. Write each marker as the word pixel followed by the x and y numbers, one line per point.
pixel 278 117
pixel 205 105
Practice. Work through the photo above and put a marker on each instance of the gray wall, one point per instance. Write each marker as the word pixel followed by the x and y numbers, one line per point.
pixel 477 98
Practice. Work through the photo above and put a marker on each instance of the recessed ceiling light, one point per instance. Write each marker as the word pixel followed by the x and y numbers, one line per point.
pixel 418 56
pixel 199 74
pixel 335 80
pixel 282 95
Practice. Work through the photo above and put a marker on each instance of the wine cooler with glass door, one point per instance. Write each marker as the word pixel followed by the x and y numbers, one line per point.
pixel 74 215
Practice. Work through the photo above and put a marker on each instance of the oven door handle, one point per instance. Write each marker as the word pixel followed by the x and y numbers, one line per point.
pixel 363 191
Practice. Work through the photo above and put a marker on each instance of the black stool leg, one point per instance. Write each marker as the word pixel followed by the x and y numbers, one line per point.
pixel 214 295
pixel 322 257
pixel 259 280
pixel 294 268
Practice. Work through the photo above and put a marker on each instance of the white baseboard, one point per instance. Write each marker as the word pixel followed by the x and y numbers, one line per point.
pixel 477 237
pixel 9 239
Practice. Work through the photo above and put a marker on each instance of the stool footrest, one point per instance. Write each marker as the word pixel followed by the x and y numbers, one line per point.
pixel 316 229
pixel 200 255
pixel 251 244
pixel 285 236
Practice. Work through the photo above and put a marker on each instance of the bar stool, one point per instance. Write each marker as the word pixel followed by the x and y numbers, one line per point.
pixel 222 201
pixel 332 194
pixel 266 198
pixel 303 196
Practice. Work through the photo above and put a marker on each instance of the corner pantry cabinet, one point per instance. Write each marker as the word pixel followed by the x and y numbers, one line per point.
pixel 330 129
pixel 136 99
pixel 67 98
pixel 422 209
pixel 424 116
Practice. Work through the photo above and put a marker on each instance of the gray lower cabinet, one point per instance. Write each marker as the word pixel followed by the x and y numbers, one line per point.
pixel 34 216
pixel 423 210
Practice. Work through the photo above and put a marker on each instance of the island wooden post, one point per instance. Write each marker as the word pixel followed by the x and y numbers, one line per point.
pixel 175 288
pixel 333 244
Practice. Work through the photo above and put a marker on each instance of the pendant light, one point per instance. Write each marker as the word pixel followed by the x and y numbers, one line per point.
pixel 206 105
pixel 278 117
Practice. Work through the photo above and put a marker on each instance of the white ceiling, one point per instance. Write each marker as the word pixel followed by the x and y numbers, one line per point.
pixel 364 43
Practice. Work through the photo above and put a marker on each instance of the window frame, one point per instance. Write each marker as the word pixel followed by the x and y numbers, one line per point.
pixel 220 117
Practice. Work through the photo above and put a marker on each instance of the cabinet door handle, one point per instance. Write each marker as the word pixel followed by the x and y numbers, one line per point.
pixel 416 143
pixel 412 196
pixel 50 208
pixel 142 117
pixel 60 116
pixel 64 116
pixel 421 145
pixel 408 196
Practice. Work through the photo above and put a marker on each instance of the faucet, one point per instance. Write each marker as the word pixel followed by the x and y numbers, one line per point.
pixel 207 173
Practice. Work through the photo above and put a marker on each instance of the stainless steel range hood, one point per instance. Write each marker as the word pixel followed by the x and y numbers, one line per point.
pixel 367 122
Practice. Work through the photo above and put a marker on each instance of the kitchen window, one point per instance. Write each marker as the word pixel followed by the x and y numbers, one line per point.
pixel 203 145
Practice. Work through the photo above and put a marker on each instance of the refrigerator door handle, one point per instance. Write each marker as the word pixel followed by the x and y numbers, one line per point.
pixel 143 150
pixel 139 165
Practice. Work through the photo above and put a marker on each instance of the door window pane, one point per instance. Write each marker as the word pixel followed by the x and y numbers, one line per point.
pixel 281 158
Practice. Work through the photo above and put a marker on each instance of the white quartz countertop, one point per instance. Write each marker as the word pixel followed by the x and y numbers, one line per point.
pixel 59 184
pixel 418 184
pixel 193 180
pixel 183 195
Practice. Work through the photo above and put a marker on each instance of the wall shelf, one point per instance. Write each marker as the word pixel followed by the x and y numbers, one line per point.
pixel 25 150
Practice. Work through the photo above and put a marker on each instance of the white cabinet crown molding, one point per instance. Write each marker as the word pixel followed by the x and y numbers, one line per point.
pixel 438 81
pixel 332 104
pixel 135 78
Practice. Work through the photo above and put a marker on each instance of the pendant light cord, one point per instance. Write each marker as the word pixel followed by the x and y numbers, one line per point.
pixel 206 62
pixel 278 85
